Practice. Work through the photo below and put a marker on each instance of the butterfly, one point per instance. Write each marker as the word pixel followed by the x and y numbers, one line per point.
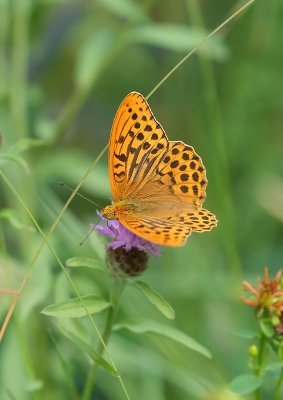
pixel 158 186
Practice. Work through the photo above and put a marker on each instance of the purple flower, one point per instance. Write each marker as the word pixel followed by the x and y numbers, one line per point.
pixel 125 238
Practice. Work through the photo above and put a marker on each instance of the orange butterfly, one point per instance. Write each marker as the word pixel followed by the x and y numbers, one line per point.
pixel 158 186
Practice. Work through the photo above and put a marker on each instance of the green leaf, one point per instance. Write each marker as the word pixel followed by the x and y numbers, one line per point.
pixel 15 219
pixel 86 262
pixel 16 159
pixel 89 350
pixel 34 386
pixel 124 8
pixel 156 299
pixel 246 334
pixel 245 383
pixel 73 394
pixel 10 394
pixel 167 332
pixel 26 144
pixel 274 365
pixel 266 328
pixel 73 308
pixel 92 57
pixel 180 38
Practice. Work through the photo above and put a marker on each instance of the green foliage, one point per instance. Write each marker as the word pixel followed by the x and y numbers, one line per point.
pixel 73 308
pixel 245 334
pixel 15 219
pixel 273 366
pixel 266 328
pixel 156 299
pixel 180 38
pixel 246 383
pixel 86 262
pixel 165 331
pixel 90 351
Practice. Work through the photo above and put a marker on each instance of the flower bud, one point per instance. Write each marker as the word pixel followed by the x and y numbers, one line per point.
pixel 275 320
pixel 126 264
pixel 253 351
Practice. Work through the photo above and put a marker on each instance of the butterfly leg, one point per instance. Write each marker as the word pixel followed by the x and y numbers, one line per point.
pixel 117 229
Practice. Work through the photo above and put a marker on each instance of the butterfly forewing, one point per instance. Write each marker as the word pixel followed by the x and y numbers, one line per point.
pixel 137 145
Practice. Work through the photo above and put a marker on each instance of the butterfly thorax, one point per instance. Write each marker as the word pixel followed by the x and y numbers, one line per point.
pixel 126 207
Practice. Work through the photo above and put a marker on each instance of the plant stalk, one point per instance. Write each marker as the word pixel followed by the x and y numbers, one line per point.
pixel 278 386
pixel 261 361
pixel 116 292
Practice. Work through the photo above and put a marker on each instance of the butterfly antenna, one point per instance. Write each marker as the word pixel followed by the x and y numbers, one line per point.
pixel 90 232
pixel 63 184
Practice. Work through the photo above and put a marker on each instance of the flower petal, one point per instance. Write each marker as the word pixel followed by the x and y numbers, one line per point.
pixel 123 237
pixel 266 275
pixel 249 287
pixel 105 230
pixel 250 302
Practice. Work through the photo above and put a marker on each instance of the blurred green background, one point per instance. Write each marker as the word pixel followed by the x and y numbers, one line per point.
pixel 65 66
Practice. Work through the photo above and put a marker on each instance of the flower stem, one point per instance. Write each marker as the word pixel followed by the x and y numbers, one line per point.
pixel 261 361
pixel 278 386
pixel 116 292
pixel 280 380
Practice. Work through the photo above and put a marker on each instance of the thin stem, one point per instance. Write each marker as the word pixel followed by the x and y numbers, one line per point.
pixel 80 93
pixel 8 316
pixel 261 355
pixel 198 46
pixel 63 268
pixel 261 362
pixel 278 386
pixel 280 379
pixel 116 292
pixel 22 340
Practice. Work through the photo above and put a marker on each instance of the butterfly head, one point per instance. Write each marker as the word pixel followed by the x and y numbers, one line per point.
pixel 110 212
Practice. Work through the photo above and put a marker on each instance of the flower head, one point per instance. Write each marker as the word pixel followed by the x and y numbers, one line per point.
pixel 268 295
pixel 125 238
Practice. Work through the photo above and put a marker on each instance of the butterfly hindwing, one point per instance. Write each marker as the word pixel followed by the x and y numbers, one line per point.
pixel 161 232
pixel 180 174
pixel 174 230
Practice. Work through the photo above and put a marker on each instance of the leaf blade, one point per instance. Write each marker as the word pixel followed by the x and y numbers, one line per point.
pixel 273 366
pixel 167 332
pixel 73 308
pixel 246 334
pixel 15 219
pixel 90 351
pixel 245 383
pixel 86 262
pixel 16 159
pixel 156 299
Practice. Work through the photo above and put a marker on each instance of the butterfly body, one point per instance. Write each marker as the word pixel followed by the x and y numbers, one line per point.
pixel 127 207
pixel 158 185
